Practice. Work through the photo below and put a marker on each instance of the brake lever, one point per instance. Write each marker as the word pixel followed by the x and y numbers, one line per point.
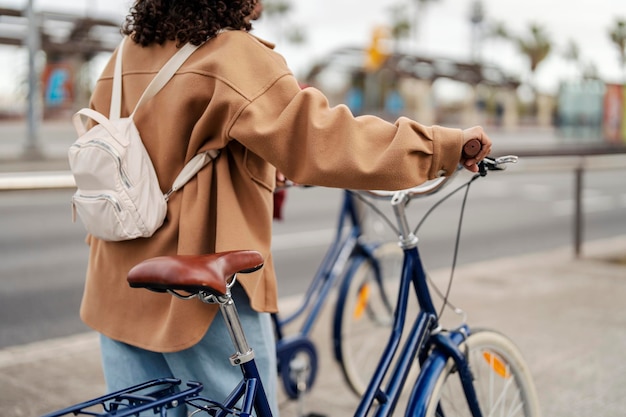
pixel 485 165
pixel 507 159
pixel 497 164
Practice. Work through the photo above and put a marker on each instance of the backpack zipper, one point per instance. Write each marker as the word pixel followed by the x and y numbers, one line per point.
pixel 116 205
pixel 111 151
pixel 107 197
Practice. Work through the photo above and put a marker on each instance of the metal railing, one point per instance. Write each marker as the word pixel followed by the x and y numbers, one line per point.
pixel 582 154
pixel 36 180
pixel 582 158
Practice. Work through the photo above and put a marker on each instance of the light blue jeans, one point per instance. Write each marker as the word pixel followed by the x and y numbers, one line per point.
pixel 207 362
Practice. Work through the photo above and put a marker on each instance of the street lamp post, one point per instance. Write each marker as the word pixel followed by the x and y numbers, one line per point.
pixel 31 148
pixel 477 15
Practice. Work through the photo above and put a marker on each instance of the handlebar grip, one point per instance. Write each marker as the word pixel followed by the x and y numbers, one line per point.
pixel 471 148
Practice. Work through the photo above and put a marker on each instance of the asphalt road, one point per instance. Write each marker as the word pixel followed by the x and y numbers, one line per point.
pixel 43 257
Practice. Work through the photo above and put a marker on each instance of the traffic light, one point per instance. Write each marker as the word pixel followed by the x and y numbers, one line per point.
pixel 376 52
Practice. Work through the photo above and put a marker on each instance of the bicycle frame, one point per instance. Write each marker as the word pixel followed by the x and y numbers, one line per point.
pixel 345 246
pixel 249 392
pixel 342 247
pixel 423 335
pixel 250 389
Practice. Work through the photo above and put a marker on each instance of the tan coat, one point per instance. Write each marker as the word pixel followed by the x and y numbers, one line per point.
pixel 236 93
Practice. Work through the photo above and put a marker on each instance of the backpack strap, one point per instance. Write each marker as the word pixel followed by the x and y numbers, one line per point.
pixel 158 82
pixel 166 73
pixel 116 94
pixel 191 168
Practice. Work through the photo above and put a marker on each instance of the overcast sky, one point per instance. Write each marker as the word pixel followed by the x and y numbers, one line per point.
pixel 445 30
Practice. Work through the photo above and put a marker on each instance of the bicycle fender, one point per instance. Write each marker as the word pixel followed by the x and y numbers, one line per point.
pixel 425 384
pixel 431 369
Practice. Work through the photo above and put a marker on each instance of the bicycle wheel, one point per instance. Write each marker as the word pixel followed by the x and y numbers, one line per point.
pixel 364 315
pixel 504 386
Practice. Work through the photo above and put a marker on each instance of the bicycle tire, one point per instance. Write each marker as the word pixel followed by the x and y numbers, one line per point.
pixel 364 316
pixel 503 383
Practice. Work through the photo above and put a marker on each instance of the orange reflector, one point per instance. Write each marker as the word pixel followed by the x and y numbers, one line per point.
pixel 497 365
pixel 361 302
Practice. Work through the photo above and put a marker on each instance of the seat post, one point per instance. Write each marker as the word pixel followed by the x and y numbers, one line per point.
pixel 243 352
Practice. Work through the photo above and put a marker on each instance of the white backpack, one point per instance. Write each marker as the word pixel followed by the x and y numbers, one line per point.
pixel 118 195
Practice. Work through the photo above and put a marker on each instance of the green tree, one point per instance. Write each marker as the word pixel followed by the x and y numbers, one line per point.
pixel 278 8
pixel 536 47
pixel 400 24
pixel 499 30
pixel 571 53
pixel 419 7
pixel 278 12
pixel 618 37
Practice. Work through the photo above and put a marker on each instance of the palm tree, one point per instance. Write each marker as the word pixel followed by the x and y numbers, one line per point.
pixel 618 36
pixel 571 53
pixel 400 24
pixel 587 70
pixel 278 8
pixel 419 6
pixel 536 48
pixel 277 11
pixel 499 30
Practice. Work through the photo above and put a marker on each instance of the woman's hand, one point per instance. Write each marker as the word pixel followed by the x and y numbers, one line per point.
pixel 476 132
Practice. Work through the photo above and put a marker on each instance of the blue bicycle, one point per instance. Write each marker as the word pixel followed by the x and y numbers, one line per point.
pixel 462 371
pixel 351 257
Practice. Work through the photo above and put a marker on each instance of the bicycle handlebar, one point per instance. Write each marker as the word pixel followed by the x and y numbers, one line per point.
pixel 432 186
pixel 471 148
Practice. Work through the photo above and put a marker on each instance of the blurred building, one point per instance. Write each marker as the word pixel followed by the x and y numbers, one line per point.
pixel 431 90
pixel 614 114
pixel 591 109
pixel 68 42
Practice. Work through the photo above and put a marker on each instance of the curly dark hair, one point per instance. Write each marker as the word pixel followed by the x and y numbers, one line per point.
pixel 193 21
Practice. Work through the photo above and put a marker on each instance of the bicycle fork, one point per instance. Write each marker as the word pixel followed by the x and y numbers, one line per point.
pixel 446 347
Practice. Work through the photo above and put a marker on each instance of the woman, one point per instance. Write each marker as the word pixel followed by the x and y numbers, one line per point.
pixel 236 94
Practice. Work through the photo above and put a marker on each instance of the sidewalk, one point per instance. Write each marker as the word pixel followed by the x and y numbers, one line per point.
pixel 565 314
pixel 54 139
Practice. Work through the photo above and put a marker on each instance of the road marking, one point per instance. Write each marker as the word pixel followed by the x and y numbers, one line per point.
pixel 591 204
pixel 304 239
pixel 537 192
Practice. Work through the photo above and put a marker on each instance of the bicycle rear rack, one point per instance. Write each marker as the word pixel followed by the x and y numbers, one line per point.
pixel 157 395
